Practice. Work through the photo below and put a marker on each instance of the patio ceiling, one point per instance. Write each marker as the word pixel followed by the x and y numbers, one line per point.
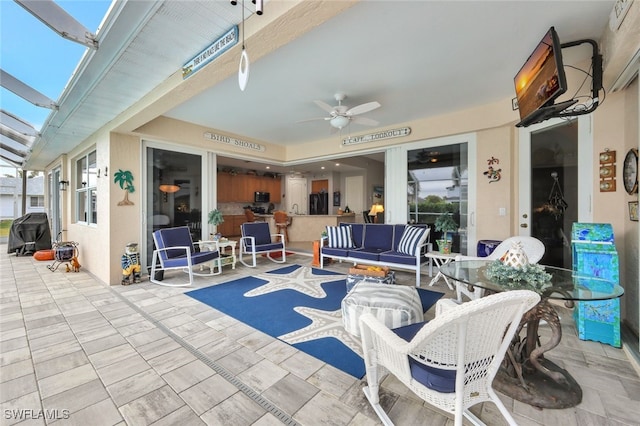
pixel 417 58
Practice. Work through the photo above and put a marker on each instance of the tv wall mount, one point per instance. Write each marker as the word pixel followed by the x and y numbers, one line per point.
pixel 562 109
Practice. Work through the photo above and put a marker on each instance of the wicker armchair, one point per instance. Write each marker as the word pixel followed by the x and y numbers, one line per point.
pixel 450 361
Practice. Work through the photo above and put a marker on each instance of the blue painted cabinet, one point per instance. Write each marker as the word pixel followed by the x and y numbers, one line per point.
pixel 594 254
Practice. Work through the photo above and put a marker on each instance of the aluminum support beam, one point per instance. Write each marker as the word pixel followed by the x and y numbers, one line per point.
pixel 16 86
pixel 60 21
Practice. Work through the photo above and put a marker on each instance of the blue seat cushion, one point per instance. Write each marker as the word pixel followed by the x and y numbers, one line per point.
pixel 396 257
pixel 196 259
pixel 366 253
pixel 268 247
pixel 174 237
pixel 437 379
pixel 330 251
pixel 258 230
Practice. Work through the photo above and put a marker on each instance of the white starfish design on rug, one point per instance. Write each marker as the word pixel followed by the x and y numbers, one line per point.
pixel 301 280
pixel 323 324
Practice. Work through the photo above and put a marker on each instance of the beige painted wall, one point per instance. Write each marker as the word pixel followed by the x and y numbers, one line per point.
pixel 612 128
pixel 495 143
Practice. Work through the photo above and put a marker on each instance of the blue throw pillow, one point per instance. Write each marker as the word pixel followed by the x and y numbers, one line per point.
pixel 340 237
pixel 411 239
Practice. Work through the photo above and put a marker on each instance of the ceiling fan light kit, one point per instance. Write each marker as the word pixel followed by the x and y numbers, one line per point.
pixel 339 121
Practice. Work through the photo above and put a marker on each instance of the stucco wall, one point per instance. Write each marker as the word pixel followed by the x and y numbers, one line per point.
pixel 493 195
pixel 126 221
pixel 91 239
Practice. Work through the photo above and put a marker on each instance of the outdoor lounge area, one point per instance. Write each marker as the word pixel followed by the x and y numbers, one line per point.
pixel 142 354
pixel 235 248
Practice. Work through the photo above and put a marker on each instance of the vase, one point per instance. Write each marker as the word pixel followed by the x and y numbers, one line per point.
pixel 444 246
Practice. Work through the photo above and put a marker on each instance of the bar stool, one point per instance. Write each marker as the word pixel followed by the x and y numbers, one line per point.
pixel 283 221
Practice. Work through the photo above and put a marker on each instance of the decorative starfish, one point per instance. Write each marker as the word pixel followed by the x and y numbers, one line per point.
pixel 323 324
pixel 301 280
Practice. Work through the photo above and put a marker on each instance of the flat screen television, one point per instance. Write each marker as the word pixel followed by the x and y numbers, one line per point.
pixel 541 80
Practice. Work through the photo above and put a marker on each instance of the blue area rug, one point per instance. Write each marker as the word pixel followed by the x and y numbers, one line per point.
pixel 300 306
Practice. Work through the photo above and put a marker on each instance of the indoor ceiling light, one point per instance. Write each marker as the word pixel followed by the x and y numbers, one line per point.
pixel 168 189
pixel 339 121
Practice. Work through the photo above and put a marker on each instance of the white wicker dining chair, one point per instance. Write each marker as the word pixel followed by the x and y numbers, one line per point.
pixel 533 248
pixel 450 361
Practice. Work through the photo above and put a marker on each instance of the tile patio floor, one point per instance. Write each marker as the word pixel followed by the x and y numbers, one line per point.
pixel 84 353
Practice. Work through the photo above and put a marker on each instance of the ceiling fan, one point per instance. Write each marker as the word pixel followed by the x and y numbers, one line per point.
pixel 340 115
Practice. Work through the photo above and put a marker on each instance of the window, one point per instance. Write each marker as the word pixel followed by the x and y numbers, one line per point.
pixel 86 179
pixel 36 201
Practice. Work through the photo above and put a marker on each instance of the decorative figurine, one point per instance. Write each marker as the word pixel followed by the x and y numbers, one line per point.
pixel 130 262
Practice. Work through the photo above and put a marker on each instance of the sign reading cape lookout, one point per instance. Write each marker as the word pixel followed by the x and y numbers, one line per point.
pixel 235 142
pixel 385 134
pixel 212 51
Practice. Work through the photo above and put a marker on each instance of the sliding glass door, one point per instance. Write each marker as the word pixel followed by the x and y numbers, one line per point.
pixel 438 184
pixel 173 193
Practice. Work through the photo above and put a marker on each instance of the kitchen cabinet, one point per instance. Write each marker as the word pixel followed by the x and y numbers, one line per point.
pixel 240 188
pixel 231 225
pixel 225 187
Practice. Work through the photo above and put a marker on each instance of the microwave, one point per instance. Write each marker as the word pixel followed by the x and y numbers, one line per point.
pixel 261 197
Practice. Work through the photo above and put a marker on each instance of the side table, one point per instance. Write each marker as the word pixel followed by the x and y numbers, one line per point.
pixel 226 259
pixel 440 259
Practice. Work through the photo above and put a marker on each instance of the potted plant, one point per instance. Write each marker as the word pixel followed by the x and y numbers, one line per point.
pixel 215 219
pixel 445 224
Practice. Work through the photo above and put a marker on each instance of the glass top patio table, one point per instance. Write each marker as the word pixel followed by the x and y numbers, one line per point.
pixel 564 284
pixel 526 375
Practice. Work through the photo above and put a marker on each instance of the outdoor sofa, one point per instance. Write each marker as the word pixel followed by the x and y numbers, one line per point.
pixel 396 246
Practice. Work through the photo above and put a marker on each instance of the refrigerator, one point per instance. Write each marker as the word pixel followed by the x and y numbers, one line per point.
pixel 319 203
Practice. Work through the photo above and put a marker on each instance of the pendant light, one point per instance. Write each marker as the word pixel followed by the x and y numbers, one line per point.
pixel 243 68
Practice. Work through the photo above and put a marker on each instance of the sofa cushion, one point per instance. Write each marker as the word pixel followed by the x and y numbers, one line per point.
pixel 365 253
pixel 412 237
pixel 337 252
pixel 357 232
pixel 340 236
pixel 392 256
pixel 378 236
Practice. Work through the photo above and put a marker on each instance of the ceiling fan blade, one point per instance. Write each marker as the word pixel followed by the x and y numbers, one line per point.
pixel 325 106
pixel 361 109
pixel 364 120
pixel 314 119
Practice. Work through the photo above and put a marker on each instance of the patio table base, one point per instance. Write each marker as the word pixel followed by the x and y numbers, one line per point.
pixel 543 391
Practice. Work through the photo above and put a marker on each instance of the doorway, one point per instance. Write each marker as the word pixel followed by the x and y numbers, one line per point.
pixel 438 185
pixel 549 188
pixel 174 195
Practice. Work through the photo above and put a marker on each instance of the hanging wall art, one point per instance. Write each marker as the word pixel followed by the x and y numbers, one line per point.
pixel 124 178
pixel 492 173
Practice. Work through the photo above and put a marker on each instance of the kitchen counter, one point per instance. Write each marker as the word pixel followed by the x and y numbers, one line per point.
pixel 309 227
